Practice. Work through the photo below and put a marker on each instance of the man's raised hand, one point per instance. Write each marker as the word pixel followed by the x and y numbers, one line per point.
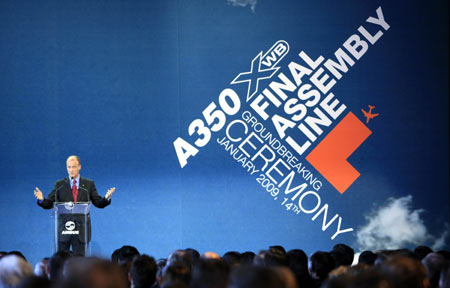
pixel 38 194
pixel 110 192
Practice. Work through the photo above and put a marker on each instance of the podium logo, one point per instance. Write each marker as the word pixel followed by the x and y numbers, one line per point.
pixel 70 225
pixel 68 205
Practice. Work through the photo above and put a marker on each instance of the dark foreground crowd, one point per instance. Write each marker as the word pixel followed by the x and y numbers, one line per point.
pixel 272 268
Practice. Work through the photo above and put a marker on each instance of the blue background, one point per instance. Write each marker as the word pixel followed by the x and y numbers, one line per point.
pixel 116 82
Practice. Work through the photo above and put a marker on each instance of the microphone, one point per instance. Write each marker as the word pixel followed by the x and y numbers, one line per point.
pixel 87 192
pixel 56 192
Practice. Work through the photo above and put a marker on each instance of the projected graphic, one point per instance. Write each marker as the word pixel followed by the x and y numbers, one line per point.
pixel 228 125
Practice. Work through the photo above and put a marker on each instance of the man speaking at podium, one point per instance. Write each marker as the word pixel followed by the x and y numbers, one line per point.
pixel 74 189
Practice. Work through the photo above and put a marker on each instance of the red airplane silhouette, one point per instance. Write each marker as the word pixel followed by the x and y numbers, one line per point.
pixel 369 114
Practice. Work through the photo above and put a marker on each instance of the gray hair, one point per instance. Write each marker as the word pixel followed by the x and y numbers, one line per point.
pixel 40 268
pixel 12 270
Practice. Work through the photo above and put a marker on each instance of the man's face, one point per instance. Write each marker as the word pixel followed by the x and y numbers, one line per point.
pixel 73 167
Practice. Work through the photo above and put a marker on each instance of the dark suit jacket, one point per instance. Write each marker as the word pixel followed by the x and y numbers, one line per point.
pixel 87 192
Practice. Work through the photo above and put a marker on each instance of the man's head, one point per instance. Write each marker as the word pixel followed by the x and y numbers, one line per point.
pixel 209 273
pixel 73 166
pixel 434 263
pixel 255 277
pixel 142 271
pixel 321 263
pixel 13 269
pixel 82 272
pixel 367 257
pixel 126 255
pixel 56 264
pixel 404 272
pixel 343 254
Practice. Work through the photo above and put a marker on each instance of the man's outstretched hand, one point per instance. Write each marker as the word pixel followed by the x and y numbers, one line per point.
pixel 38 194
pixel 110 192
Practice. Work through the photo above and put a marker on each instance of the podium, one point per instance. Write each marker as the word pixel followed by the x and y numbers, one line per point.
pixel 71 220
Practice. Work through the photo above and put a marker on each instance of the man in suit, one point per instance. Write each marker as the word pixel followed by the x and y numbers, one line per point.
pixel 74 189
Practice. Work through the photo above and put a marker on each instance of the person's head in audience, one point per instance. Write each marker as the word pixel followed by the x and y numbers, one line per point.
pixel 406 253
pixel 210 273
pixel 343 255
pixel 13 269
pixel 255 277
pixel 177 271
pixel 97 273
pixel 277 249
pixel 126 254
pixel 340 258
pixel 142 271
pixel 286 276
pixel 434 263
pixel 76 267
pixel 404 272
pixel 232 258
pixel 17 253
pixel 105 274
pixel 210 255
pixel 349 271
pixel 320 264
pixel 247 258
pixel 268 258
pixel 115 256
pixel 179 256
pixel 422 251
pixel 384 255
pixel 56 264
pixel 193 254
pixel 341 281
pixel 359 268
pixel 339 271
pixel 298 262
pixel 367 257
pixel 41 268
pixel 369 278
pixel 279 252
